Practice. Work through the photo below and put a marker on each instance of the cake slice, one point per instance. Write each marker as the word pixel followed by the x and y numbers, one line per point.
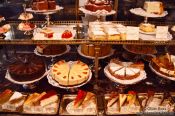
pixel 16 98
pixel 5 96
pixel 122 99
pixel 31 97
pixel 88 98
pixel 114 97
pixel 79 99
pixel 38 98
pixel 131 98
pixel 49 98
pixel 114 67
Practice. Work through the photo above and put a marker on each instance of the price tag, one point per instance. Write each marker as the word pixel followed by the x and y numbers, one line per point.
pixel 162 32
pixel 132 33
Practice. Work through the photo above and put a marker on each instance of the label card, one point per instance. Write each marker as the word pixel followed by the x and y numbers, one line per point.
pixel 132 33
pixel 162 32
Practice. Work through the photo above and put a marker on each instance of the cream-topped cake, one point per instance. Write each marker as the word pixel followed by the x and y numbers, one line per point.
pixel 154 7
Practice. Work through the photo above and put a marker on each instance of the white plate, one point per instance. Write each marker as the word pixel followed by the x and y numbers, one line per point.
pixel 153 37
pixel 97 13
pixel 142 12
pixel 58 31
pixel 8 77
pixel 148 33
pixel 49 56
pixel 45 11
pixel 90 57
pixel 56 84
pixel 141 77
pixel 160 74
pixel 89 110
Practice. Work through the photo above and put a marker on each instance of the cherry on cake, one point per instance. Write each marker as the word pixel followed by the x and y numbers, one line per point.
pixel 70 75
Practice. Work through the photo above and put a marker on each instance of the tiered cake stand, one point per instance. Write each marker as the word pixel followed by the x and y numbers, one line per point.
pixel 98 13
pixel 47 13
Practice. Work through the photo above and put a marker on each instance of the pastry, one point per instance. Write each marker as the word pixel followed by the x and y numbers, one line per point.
pixel 5 28
pixel 70 75
pixel 154 7
pixel 48 33
pixel 51 49
pixel 95 5
pixel 164 64
pixel 25 16
pixel 5 96
pixel 79 98
pixel 49 98
pixel 147 27
pixel 26 67
pixel 26 26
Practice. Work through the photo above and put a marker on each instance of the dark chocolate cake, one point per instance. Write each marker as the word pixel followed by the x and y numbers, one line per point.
pixel 27 67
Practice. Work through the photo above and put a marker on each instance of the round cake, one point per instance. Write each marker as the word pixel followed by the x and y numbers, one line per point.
pixel 51 49
pixel 26 68
pixel 70 75
pixel 95 5
pixel 89 50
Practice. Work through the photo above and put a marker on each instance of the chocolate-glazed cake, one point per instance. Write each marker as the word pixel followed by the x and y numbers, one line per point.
pixel 26 68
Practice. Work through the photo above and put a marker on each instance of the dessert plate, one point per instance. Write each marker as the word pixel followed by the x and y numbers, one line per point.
pixel 89 109
pixel 160 74
pixel 45 11
pixel 142 12
pixel 141 77
pixel 8 77
pixel 56 84
pixel 153 37
pixel 91 57
pixel 148 33
pixel 58 31
pixel 49 56
pixel 97 13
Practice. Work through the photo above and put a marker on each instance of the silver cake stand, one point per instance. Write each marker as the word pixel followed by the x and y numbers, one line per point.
pixel 47 13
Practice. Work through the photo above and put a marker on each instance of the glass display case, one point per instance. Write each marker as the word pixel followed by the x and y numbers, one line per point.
pixel 56 66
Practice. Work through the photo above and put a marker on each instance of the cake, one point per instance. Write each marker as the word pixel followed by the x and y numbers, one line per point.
pixel 164 64
pixel 43 99
pixel 147 27
pixel 26 67
pixel 51 49
pixel 44 4
pixel 141 49
pixel 155 7
pixel 125 70
pixel 112 34
pixel 95 5
pixel 70 75
pixel 5 96
pixel 25 16
pixel 48 33
pixel 26 26
pixel 83 98
pixel 5 28
pixel 89 50
pixel 66 34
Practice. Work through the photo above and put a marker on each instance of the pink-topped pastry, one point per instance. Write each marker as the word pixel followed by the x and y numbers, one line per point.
pixel 48 33
pixel 26 26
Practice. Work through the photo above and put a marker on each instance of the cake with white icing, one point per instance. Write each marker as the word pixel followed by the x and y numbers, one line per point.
pixel 155 7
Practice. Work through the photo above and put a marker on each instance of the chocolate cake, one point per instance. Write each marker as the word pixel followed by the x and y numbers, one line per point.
pixel 43 5
pixel 95 5
pixel 51 49
pixel 27 67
